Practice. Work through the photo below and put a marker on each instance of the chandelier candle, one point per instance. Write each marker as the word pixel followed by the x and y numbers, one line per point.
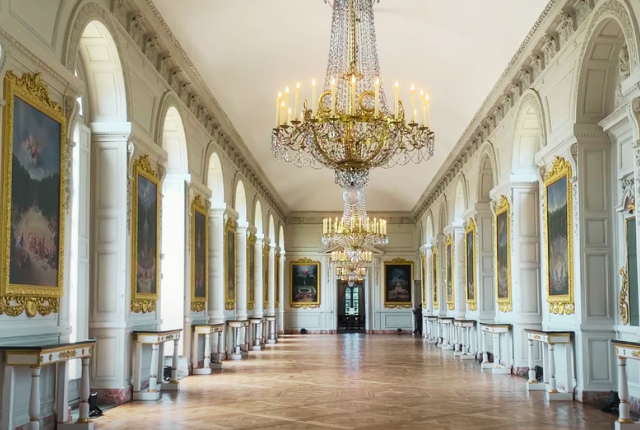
pixel 297 101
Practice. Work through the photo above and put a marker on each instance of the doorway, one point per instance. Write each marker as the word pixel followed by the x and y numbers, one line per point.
pixel 351 308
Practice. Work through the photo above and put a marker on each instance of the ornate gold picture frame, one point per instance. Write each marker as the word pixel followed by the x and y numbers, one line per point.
pixel 265 275
pixel 304 280
pixel 624 298
pixel 558 233
pixel 398 283
pixel 450 289
pixel 34 162
pixel 251 271
pixel 230 288
pixel 199 254
pixel 277 283
pixel 434 276
pixel 145 236
pixel 423 276
pixel 470 261
pixel 502 246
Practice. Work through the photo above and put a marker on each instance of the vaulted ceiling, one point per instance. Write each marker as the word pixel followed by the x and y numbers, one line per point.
pixel 248 50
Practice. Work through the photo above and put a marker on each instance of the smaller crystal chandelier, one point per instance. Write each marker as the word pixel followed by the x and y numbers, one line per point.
pixel 351 275
pixel 349 256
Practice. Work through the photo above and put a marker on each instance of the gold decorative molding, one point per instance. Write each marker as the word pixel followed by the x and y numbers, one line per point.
pixel 503 208
pixel 448 272
pixel 251 271
pixel 397 305
pixel 230 229
pixel 200 206
pixel 143 305
pixel 435 277
pixel 625 310
pixel 64 355
pixel 18 298
pixel 305 305
pixel 472 303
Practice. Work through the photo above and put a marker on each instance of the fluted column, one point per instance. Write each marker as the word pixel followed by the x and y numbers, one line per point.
pixel 281 292
pixel 241 270
pixel 259 302
pixel 216 264
pixel 272 279
pixel 459 272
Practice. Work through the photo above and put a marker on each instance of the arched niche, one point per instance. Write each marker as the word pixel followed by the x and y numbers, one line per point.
pixel 281 238
pixel 215 179
pixel 460 200
pixel 429 229
pixel 174 141
pixel 240 202
pixel 442 216
pixel 272 230
pixel 487 175
pixel 103 73
pixel 258 219
pixel 529 135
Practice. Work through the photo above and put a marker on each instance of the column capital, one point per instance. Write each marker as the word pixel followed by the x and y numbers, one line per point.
pixel 259 238
pixel 217 208
pixel 243 226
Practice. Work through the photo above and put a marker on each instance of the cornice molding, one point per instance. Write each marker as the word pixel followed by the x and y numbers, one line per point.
pixel 509 88
pixel 141 21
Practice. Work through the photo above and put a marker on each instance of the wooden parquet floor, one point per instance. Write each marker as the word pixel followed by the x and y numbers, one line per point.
pixel 353 381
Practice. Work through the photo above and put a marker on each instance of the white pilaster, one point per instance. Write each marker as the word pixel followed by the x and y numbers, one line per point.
pixel 216 264
pixel 272 278
pixel 241 271
pixel 259 302
pixel 281 292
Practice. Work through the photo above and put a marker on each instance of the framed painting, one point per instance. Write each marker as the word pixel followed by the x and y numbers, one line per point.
pixel 230 265
pixel 449 290
pixel 398 282
pixel 34 159
pixel 277 283
pixel 199 254
pixel 251 271
pixel 423 276
pixel 305 284
pixel 145 246
pixel 470 266
pixel 265 276
pixel 434 276
pixel 502 239
pixel 558 221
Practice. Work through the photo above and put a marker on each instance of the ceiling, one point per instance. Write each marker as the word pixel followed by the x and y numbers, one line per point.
pixel 248 50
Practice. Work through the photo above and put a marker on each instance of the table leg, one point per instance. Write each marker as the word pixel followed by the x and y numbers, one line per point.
pixel 62 395
pixel 532 370
pixel 34 401
pixel 174 362
pixel 496 350
pixel 8 388
pixel 195 345
pixel 207 351
pixel 552 370
pixel 485 355
pixel 623 392
pixel 137 369
pixel 153 380
pixel 220 347
pixel 84 393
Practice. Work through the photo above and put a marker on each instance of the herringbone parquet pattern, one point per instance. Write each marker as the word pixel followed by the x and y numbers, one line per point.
pixel 353 381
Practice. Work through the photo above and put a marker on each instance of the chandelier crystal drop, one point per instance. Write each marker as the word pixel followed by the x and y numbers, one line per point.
pixel 350 127
pixel 351 274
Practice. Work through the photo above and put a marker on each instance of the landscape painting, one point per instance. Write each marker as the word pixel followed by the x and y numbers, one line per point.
pixel 305 283
pixel 398 281
pixel 35 213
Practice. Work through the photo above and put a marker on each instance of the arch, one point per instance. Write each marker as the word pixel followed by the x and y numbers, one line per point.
pixel 442 215
pixel 488 174
pixel 460 199
pixel 215 179
pixel 272 230
pixel 429 228
pixel 610 30
pixel 420 232
pixel 240 201
pixel 86 13
pixel 257 219
pixel 174 141
pixel 281 238
pixel 529 134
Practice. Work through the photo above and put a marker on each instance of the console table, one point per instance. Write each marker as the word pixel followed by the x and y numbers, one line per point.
pixel 36 357
pixel 234 327
pixel 207 330
pixel 549 339
pixel 446 322
pixel 255 334
pixel 464 346
pixel 625 351
pixel 156 339
pixel 271 321
pixel 497 330
pixel 432 329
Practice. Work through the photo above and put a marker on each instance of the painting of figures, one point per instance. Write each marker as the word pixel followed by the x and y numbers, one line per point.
pixel 558 239
pixel 398 279
pixel 305 283
pixel 35 197
pixel 200 244
pixel 502 246
pixel 449 274
pixel 147 249
pixel 471 283
pixel 230 270
pixel 251 275
pixel 434 277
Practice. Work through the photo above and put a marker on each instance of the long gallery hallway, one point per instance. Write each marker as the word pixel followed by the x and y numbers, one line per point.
pixel 353 381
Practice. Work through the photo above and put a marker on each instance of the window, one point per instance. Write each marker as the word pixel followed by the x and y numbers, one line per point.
pixel 352 300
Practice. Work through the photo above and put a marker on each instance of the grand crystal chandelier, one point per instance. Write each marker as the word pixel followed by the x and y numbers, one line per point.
pixel 350 127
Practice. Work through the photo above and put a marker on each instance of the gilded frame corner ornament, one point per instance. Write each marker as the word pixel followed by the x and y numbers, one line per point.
pixel 560 304
pixel 230 228
pixel 397 305
pixel 505 304
pixel 472 304
pixel 144 302
pixel 201 206
pixel 251 271
pixel 16 299
pixel 435 273
pixel 305 305
pixel 451 304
